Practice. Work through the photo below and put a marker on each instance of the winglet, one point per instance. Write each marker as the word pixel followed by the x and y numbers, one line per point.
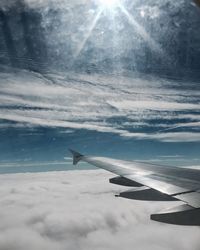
pixel 76 156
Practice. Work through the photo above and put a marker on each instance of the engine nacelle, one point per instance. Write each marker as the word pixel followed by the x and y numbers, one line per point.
pixel 146 194
pixel 119 180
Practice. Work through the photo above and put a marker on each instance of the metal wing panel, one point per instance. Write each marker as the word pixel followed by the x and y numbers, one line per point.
pixel 169 180
pixel 160 185
pixel 181 184
pixel 164 181
pixel 192 199
pixel 146 175
pixel 114 166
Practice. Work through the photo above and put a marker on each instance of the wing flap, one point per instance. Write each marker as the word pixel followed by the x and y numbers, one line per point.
pixel 192 198
pixel 181 215
pixel 146 194
pixel 183 194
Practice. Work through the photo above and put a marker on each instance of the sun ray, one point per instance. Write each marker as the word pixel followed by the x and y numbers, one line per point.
pixel 88 34
pixel 142 32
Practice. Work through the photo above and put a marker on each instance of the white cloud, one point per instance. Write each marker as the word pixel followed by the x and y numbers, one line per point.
pixel 78 210
pixel 90 102
pixel 176 137
pixel 153 105
pixel 193 167
pixel 35 164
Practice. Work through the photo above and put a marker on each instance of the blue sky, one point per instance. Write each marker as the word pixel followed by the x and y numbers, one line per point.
pixel 135 117
pixel 120 81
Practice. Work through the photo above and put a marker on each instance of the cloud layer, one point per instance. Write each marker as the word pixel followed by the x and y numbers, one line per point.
pixel 128 106
pixel 78 210
pixel 41 3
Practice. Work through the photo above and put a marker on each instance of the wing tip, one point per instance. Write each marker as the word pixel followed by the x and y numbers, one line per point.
pixel 76 156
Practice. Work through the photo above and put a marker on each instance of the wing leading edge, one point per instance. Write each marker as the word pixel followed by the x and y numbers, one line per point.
pixel 156 183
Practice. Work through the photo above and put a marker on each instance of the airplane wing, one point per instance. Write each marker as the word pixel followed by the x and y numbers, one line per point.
pixel 155 183
pixel 197 2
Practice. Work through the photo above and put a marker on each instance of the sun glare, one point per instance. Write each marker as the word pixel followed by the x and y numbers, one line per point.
pixel 109 4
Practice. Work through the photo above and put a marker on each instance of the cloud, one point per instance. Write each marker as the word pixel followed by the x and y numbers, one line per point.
pixel 154 105
pixel 35 164
pixel 176 137
pixel 78 210
pixel 129 107
pixel 193 167
pixel 36 4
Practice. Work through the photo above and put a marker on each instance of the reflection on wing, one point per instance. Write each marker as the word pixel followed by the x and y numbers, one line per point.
pixel 155 183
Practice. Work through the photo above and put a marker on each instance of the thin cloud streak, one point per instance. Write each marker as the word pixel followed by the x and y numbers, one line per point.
pixel 33 164
pixel 126 108
pixel 165 137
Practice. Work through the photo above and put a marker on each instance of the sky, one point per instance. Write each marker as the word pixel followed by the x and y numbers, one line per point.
pixel 134 117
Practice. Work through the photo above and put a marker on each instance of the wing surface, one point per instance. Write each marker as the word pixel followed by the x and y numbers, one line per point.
pixel 178 183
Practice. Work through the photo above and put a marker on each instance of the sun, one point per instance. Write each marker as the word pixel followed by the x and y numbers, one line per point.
pixel 109 4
